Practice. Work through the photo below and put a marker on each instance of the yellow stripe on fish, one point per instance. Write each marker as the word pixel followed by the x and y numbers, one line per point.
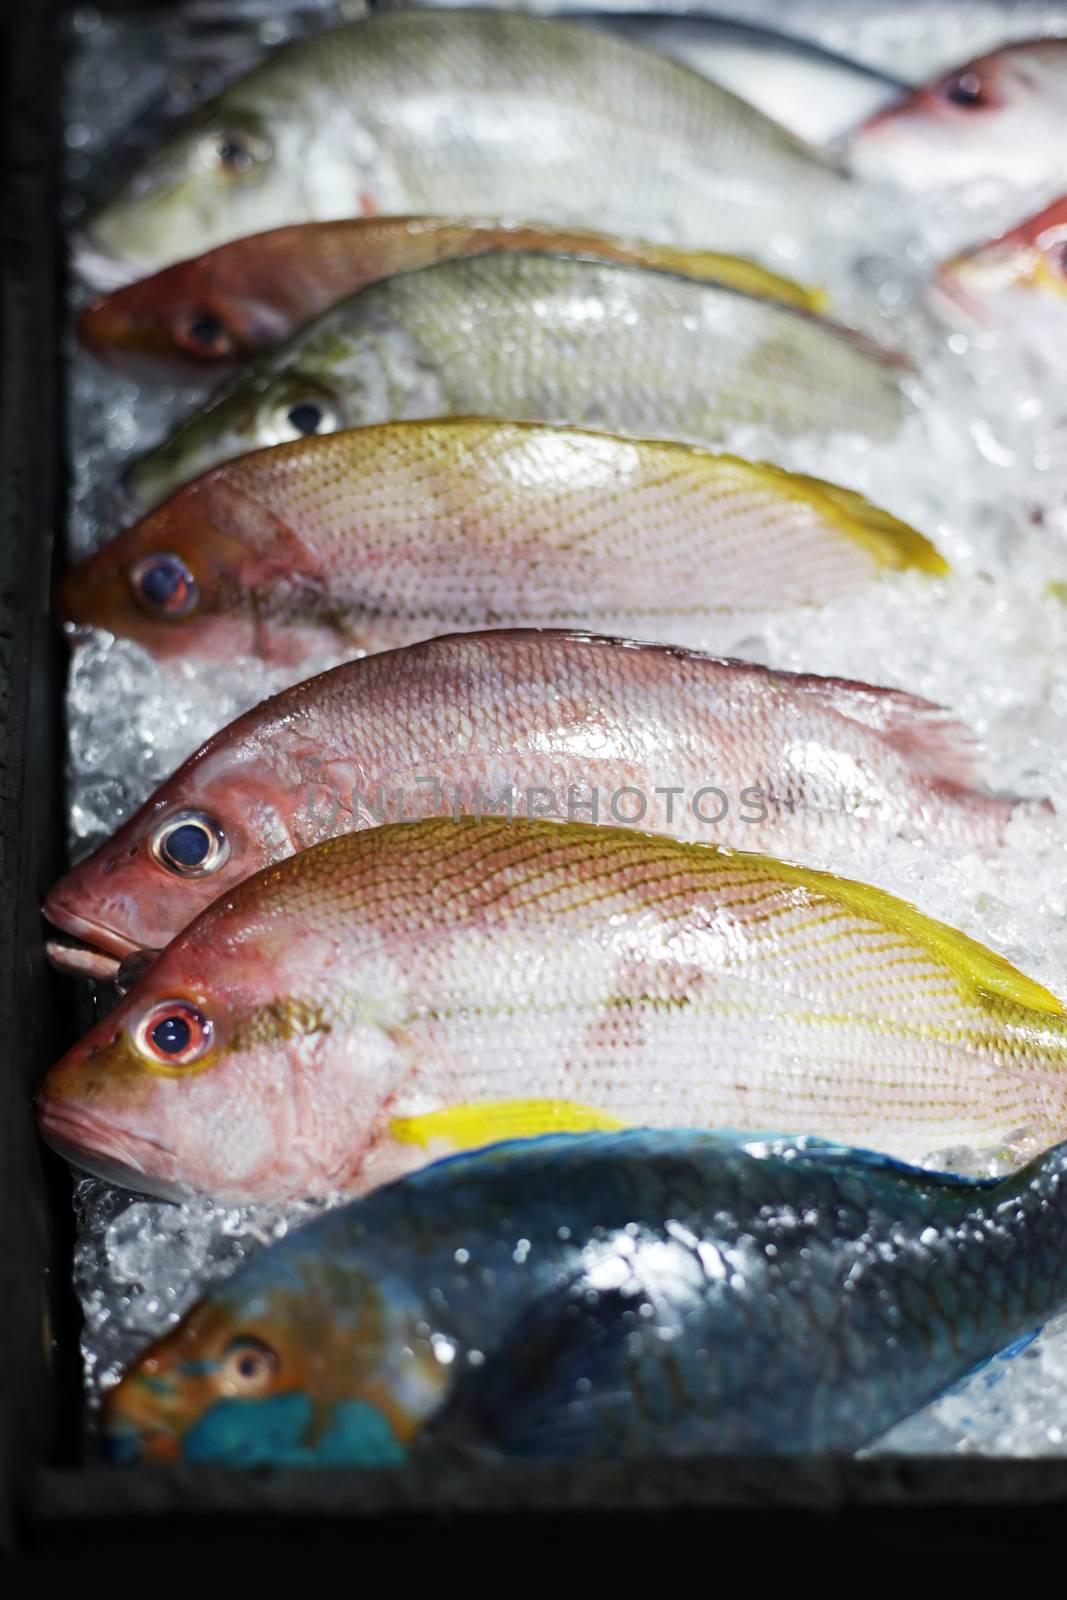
pixel 471 1126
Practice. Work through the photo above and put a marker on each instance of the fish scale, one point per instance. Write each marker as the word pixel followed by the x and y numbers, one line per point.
pixel 612 1295
pixel 545 338
pixel 438 966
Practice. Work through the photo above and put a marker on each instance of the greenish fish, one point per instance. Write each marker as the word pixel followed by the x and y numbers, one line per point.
pixel 469 114
pixel 543 338
pixel 606 1296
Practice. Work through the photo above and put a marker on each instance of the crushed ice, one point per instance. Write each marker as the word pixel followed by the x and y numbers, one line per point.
pixel 977 469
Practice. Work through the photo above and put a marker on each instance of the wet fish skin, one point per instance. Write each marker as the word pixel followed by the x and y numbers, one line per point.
pixel 999 116
pixel 787 763
pixel 1015 283
pixel 217 309
pixel 621 348
pixel 395 115
pixel 382 536
pixel 677 1292
pixel 423 987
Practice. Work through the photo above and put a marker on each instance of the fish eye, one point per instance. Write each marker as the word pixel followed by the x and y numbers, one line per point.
pixel 175 1033
pixel 303 417
pixel 164 586
pixel 248 1366
pixel 190 844
pixel 203 334
pixel 235 150
pixel 966 89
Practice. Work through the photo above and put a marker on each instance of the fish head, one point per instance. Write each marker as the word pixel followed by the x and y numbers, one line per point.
pixel 182 318
pixel 222 1072
pixel 314 1359
pixel 177 582
pixel 239 167
pixel 225 815
pixel 1016 283
pixel 262 408
pixel 994 117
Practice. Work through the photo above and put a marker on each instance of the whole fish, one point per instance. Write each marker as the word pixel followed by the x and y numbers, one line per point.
pixel 1000 116
pixel 1016 283
pixel 465 115
pixel 217 309
pixel 542 338
pixel 611 1296
pixel 424 987
pixel 385 535
pixel 561 724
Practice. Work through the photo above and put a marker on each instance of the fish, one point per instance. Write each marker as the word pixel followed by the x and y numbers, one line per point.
pixel 214 311
pixel 381 536
pixel 605 729
pixel 416 989
pixel 619 348
pixel 401 114
pixel 605 1296
pixel 1015 283
pixel 999 116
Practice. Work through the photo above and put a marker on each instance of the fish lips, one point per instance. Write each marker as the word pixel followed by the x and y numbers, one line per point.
pixel 92 940
pixel 117 1155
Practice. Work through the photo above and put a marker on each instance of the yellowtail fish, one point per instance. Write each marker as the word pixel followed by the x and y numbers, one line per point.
pixel 382 536
pixel 418 988
pixel 622 348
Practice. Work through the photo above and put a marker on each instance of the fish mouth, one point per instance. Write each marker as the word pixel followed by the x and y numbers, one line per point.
pixel 117 1155
pixel 947 294
pixel 101 269
pixel 97 949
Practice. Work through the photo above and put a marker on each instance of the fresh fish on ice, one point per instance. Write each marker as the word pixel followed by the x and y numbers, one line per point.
pixel 568 724
pixel 543 338
pixel 423 987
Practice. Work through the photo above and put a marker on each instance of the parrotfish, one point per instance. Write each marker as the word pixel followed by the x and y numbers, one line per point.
pixel 560 724
pixel 543 338
pixel 466 115
pixel 1016 283
pixel 384 535
pixel 219 308
pixel 425 987
pixel 1000 116
pixel 606 1296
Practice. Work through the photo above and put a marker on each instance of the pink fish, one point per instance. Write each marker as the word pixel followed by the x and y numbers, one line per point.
pixel 1001 116
pixel 546 724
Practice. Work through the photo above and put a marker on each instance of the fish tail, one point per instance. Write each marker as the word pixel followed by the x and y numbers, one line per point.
pixel 893 543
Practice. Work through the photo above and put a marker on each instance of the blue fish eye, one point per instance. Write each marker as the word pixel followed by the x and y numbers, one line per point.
pixel 175 1032
pixel 188 845
pixel 171 1035
pixel 306 417
pixel 164 584
pixel 191 844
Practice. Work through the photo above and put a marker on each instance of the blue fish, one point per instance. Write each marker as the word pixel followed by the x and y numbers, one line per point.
pixel 607 1295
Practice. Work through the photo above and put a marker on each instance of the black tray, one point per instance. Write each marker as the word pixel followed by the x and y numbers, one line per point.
pixel 54 1497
